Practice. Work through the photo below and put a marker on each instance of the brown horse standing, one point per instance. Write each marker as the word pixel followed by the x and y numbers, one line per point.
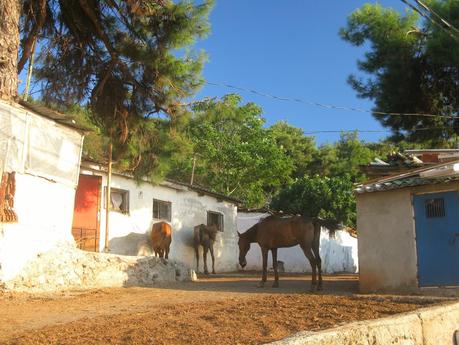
pixel 205 235
pixel 275 232
pixel 161 238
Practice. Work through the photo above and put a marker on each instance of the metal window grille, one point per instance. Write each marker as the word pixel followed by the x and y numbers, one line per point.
pixel 162 210
pixel 435 208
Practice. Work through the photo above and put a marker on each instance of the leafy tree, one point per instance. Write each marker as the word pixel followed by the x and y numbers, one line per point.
pixel 234 153
pixel 298 147
pixel 411 67
pixel 342 157
pixel 127 60
pixel 330 198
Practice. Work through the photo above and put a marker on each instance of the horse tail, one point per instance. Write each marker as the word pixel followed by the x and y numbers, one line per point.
pixel 330 225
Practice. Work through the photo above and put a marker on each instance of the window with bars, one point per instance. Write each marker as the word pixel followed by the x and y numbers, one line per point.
pixel 215 218
pixel 162 210
pixel 435 208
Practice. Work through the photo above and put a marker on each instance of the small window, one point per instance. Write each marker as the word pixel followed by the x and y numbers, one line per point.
pixel 435 208
pixel 162 210
pixel 119 200
pixel 215 218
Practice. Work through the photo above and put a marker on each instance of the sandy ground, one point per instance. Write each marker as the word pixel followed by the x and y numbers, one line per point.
pixel 214 310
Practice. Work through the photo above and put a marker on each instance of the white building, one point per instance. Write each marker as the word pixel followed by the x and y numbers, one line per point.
pixel 409 231
pixel 40 154
pixel 338 254
pixel 138 205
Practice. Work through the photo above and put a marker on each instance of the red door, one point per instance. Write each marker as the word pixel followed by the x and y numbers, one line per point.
pixel 85 228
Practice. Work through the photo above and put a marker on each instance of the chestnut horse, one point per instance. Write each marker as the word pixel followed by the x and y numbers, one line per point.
pixel 161 238
pixel 275 232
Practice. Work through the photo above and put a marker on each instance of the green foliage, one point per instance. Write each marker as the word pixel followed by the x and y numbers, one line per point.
pixel 330 198
pixel 298 147
pixel 410 67
pixel 234 153
pixel 125 61
pixel 343 157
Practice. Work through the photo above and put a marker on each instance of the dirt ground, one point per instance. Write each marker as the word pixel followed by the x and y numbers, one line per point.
pixel 215 310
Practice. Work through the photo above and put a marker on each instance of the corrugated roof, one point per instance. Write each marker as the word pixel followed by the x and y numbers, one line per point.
pixel 407 179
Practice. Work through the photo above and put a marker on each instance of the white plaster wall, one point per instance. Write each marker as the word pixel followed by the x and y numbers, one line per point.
pixel 45 211
pixel 387 247
pixel 128 233
pixel 387 238
pixel 339 254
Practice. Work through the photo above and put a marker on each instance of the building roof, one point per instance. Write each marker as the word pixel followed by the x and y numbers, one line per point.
pixel 62 119
pixel 435 174
pixel 97 166
pixel 203 190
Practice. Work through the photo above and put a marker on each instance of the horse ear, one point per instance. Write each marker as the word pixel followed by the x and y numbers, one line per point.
pixel 238 234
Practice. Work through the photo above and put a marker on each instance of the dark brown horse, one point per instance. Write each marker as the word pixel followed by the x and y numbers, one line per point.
pixel 205 235
pixel 275 232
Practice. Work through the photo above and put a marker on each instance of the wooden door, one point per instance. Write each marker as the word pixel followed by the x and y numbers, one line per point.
pixel 86 223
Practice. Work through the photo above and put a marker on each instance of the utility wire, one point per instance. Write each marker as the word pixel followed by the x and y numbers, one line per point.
pixel 435 14
pixel 430 19
pixel 376 131
pixel 326 106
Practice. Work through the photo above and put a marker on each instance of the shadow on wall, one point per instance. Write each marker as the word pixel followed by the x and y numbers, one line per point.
pixel 132 244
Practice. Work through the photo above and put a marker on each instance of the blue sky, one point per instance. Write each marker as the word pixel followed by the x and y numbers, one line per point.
pixel 289 49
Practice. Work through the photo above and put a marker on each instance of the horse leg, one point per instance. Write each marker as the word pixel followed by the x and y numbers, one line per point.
pixel 276 273
pixel 312 260
pixel 167 253
pixel 211 248
pixel 264 253
pixel 315 249
pixel 196 252
pixel 204 257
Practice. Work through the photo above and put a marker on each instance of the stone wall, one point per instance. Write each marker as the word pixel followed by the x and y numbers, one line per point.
pixel 68 268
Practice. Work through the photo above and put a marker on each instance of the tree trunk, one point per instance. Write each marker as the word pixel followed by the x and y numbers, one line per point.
pixel 9 45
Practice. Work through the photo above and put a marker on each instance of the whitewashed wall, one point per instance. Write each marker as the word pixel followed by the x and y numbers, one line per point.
pixel 45 157
pixel 339 254
pixel 45 211
pixel 129 233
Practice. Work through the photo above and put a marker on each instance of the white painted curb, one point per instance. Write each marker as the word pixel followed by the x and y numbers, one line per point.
pixel 427 326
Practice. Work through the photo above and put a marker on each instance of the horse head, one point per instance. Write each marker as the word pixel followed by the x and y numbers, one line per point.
pixel 244 246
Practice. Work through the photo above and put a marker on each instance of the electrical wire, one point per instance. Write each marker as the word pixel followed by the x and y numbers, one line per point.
pixel 435 14
pixel 326 106
pixel 430 19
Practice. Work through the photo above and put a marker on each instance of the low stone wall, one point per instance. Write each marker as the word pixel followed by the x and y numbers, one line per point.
pixel 68 268
pixel 428 326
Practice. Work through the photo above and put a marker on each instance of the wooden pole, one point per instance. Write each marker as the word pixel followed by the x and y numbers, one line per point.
pixel 29 72
pixel 192 172
pixel 107 193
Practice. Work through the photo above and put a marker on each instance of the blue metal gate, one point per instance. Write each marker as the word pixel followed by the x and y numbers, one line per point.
pixel 437 238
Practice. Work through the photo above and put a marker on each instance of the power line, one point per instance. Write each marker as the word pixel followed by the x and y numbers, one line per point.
pixel 430 10
pixel 326 106
pixel 430 19
pixel 378 131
